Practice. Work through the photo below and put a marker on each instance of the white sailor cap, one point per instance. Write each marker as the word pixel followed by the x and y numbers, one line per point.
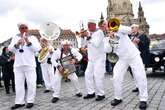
pixel 65 42
pixel 91 21
pixel 21 23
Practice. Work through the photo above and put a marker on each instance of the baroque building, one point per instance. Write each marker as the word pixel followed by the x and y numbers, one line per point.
pixel 122 9
pixel 64 34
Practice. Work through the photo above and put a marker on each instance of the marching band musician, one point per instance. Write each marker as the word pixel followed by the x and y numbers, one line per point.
pixel 128 55
pixel 94 74
pixel 83 49
pixel 24 46
pixel 46 66
pixel 103 26
pixel 65 51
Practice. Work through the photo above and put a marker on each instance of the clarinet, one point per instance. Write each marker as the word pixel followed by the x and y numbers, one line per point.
pixel 21 46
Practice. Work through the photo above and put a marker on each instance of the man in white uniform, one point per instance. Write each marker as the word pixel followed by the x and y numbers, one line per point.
pixel 94 74
pixel 65 51
pixel 47 67
pixel 83 50
pixel 129 55
pixel 24 46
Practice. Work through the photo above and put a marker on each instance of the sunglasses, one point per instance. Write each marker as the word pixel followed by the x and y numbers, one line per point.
pixel 23 27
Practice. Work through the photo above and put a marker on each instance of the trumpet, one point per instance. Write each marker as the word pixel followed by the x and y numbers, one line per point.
pixel 113 26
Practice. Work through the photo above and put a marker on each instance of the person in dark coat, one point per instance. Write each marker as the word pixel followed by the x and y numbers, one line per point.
pixel 39 73
pixel 0 75
pixel 142 42
pixel 7 60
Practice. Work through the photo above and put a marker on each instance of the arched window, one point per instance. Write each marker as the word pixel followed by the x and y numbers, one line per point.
pixel 124 5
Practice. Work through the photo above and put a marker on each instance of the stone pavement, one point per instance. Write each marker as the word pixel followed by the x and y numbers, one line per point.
pixel 156 89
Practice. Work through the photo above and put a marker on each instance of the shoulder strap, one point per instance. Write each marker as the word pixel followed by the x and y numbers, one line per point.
pixel 71 53
pixel 61 56
pixel 61 53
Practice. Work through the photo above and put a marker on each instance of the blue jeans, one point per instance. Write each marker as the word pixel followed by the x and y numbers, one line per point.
pixel 108 66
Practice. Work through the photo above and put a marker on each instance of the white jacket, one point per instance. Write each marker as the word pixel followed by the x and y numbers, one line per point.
pixel 125 49
pixel 96 46
pixel 27 58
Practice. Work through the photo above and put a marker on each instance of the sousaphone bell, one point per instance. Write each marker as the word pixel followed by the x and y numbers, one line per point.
pixel 50 31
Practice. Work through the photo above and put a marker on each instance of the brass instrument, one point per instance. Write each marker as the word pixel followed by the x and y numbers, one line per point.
pixel 50 31
pixel 21 46
pixel 113 57
pixel 113 25
pixel 65 73
pixel 43 54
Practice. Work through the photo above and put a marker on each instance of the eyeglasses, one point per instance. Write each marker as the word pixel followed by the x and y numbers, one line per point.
pixel 23 27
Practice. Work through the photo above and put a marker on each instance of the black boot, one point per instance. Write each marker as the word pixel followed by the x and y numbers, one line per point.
pixel 29 105
pixel 55 99
pixel 46 91
pixel 99 97
pixel 143 105
pixel 135 90
pixel 89 96
pixel 79 94
pixel 115 102
pixel 17 106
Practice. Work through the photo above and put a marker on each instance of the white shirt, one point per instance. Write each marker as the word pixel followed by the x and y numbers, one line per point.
pixel 96 46
pixel 81 42
pixel 125 49
pixel 26 58
pixel 57 54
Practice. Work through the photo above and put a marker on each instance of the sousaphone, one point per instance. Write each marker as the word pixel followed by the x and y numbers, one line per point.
pixel 50 31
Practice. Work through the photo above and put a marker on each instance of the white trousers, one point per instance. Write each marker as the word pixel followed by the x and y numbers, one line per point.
pixel 57 83
pixel 94 77
pixel 48 75
pixel 139 74
pixel 22 73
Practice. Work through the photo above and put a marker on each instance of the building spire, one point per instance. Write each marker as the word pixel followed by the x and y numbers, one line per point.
pixel 102 17
pixel 140 6
pixel 140 10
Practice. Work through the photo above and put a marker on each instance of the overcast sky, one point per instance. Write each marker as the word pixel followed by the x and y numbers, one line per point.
pixel 68 14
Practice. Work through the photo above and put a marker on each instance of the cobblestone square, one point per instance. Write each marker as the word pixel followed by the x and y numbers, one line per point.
pixel 68 100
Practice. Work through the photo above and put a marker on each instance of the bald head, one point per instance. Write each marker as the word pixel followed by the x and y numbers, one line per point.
pixel 134 28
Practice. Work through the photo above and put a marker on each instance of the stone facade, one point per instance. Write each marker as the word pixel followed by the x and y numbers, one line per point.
pixel 122 9
pixel 65 34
